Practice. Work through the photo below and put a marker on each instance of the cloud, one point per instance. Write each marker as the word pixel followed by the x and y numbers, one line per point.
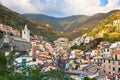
pixel 21 6
pixel 61 7
pixel 113 4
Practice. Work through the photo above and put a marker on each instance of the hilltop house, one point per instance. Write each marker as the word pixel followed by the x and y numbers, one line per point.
pixel 79 40
pixel 88 39
pixel 116 22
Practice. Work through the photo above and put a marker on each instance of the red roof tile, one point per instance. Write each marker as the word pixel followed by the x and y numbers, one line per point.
pixel 117 52
pixel 104 42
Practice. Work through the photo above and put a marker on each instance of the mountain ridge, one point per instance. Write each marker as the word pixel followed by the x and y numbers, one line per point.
pixel 17 21
pixel 58 23
pixel 108 28
pixel 89 26
pixel 73 26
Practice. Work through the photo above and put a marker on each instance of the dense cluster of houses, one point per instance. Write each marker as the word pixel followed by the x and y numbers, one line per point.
pixel 102 62
pixel 7 28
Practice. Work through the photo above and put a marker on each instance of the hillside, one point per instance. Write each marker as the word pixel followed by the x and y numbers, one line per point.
pixel 89 24
pixel 73 26
pixel 108 28
pixel 18 21
pixel 62 24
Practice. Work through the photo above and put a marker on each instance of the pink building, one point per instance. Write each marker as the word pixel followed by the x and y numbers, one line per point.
pixel 16 33
pixel 6 29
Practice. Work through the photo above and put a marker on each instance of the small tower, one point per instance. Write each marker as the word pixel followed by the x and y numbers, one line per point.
pixel 26 33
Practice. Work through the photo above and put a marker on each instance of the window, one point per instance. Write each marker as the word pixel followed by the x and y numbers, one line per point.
pixel 80 60
pixel 118 69
pixel 116 57
pixel 34 59
pixel 104 50
pixel 104 60
pixel 119 63
pixel 104 55
pixel 108 50
pixel 113 68
pixel 94 60
pixel 108 61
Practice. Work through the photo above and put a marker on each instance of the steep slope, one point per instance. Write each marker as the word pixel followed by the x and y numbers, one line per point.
pixel 74 26
pixel 18 21
pixel 62 24
pixel 89 24
pixel 108 28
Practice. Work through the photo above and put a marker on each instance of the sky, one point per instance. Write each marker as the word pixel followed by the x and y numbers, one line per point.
pixel 62 8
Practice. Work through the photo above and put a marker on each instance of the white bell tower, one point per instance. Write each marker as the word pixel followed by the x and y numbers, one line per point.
pixel 26 33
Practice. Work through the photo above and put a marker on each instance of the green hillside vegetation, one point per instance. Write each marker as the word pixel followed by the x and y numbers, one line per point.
pixel 73 26
pixel 18 21
pixel 65 24
pixel 89 24
pixel 106 29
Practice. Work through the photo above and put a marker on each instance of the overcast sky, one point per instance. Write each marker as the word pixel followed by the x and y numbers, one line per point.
pixel 62 8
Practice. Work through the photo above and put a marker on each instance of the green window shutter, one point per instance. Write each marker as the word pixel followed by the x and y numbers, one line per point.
pixel 24 63
pixel 118 69
pixel 75 62
pixel 119 63
pixel 108 61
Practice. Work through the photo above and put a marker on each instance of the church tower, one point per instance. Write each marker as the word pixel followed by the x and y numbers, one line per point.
pixel 26 33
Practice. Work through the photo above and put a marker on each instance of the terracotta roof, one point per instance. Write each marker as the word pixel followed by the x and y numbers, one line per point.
pixel 104 42
pixel 117 52
pixel 44 55
pixel 98 57
pixel 43 58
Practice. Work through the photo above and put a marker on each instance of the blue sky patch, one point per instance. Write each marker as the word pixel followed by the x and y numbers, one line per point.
pixel 103 3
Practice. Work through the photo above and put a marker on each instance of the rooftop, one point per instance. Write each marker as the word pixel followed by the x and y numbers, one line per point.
pixel 117 52
pixel 104 42
pixel 18 38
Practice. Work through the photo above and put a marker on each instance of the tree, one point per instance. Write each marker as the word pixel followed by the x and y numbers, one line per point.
pixel 11 34
pixel 3 63
pixel 1 34
pixel 55 75
pixel 7 71
pixel 88 78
